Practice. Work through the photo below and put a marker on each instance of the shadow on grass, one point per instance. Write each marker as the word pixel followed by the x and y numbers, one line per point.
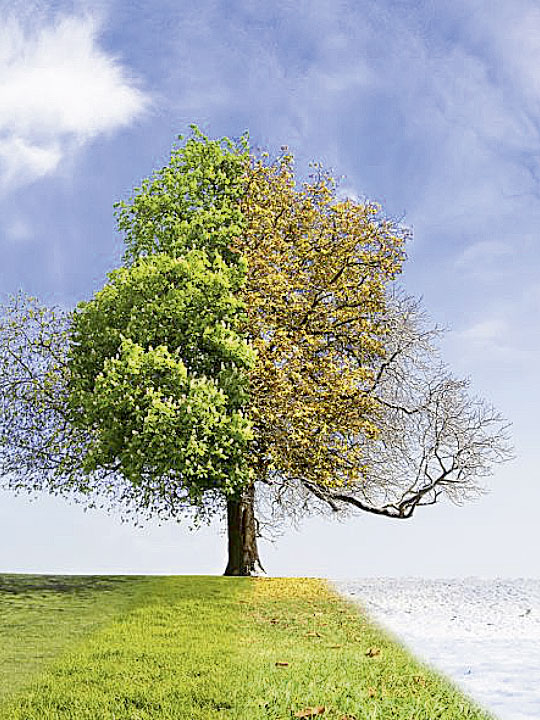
pixel 62 584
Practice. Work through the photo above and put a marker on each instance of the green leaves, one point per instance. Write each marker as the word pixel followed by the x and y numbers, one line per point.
pixel 191 305
pixel 193 202
pixel 160 423
pixel 159 375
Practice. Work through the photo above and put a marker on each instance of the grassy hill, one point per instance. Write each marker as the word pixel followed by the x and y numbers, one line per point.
pixel 194 648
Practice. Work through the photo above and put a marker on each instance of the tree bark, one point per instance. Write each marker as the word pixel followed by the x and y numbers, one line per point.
pixel 242 535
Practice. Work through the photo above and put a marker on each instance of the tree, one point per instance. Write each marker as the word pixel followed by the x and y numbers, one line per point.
pixel 434 438
pixel 253 345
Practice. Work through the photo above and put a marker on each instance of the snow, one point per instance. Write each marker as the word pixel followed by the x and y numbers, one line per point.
pixel 483 634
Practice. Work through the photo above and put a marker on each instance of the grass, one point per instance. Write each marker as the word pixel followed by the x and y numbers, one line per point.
pixel 194 648
pixel 41 616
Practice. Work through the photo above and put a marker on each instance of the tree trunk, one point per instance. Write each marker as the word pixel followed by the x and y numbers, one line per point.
pixel 242 532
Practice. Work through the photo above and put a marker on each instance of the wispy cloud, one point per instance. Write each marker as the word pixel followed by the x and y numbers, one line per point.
pixel 486 332
pixel 58 90
pixel 490 348
pixel 484 252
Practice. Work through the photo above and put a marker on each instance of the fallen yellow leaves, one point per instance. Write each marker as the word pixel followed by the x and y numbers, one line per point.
pixel 309 712
pixel 373 652
pixel 283 589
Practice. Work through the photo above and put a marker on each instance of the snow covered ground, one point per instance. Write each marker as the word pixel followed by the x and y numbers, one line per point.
pixel 483 634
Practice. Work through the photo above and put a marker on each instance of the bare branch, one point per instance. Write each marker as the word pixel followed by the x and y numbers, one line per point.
pixel 435 439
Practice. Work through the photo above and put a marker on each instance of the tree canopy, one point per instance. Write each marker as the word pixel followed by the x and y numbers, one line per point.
pixel 254 337
pixel 159 375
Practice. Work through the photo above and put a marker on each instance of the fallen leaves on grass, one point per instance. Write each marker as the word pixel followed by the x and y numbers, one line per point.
pixel 310 712
pixel 373 652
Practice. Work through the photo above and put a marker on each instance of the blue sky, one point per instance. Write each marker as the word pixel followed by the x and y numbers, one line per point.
pixel 430 108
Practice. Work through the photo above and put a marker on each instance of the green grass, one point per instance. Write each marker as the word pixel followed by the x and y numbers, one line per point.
pixel 41 616
pixel 194 648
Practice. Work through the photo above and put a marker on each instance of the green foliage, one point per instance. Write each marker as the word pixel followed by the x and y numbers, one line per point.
pixel 189 304
pixel 39 448
pixel 158 374
pixel 158 369
pixel 193 202
pixel 137 398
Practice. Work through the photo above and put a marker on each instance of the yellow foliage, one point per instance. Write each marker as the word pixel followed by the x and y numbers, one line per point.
pixel 315 296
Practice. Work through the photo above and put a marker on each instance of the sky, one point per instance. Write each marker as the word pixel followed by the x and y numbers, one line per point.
pixel 430 108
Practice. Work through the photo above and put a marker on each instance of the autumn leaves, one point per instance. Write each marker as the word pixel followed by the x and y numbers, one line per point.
pixel 317 271
pixel 312 654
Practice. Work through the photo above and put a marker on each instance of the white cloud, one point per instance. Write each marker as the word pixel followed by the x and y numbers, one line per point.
pixel 492 344
pixel 511 31
pixel 58 90
pixel 486 331
pixel 488 261
pixel 17 230
pixel 485 251
pixel 17 157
